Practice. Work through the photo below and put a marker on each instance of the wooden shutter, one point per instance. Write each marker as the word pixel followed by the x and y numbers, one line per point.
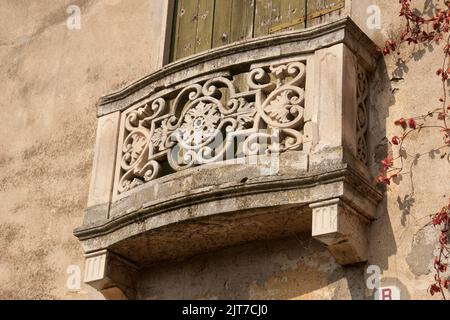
pixel 320 11
pixel 200 25
pixel 286 14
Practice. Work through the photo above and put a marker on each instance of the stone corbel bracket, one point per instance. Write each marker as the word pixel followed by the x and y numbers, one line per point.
pixel 341 229
pixel 311 87
pixel 112 275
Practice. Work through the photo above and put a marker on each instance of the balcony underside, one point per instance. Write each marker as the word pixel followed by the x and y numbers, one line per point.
pixel 190 214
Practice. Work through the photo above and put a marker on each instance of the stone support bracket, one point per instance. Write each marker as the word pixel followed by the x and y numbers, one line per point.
pixel 341 229
pixel 112 275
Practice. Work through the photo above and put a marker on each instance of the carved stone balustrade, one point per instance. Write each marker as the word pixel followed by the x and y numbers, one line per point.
pixel 251 141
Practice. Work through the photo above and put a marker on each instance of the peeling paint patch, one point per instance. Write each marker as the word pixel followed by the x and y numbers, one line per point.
pixel 420 259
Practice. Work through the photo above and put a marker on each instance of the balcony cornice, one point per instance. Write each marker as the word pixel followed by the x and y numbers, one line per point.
pixel 274 184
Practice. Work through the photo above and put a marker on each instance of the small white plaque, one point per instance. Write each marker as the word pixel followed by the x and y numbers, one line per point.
pixel 387 293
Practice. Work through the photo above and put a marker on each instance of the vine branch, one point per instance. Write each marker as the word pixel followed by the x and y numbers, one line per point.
pixel 425 31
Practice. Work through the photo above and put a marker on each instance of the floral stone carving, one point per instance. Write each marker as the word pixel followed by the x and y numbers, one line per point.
pixel 213 121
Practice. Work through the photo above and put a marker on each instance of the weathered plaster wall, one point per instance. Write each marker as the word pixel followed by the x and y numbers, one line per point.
pixel 401 242
pixel 51 79
pixel 291 268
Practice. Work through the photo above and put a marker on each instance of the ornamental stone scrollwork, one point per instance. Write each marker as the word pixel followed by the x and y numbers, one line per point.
pixel 214 121
pixel 362 119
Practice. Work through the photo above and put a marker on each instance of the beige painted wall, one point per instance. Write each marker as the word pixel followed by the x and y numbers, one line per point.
pixel 51 79
pixel 401 242
pixel 292 268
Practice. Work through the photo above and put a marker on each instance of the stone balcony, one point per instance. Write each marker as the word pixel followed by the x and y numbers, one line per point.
pixel 251 141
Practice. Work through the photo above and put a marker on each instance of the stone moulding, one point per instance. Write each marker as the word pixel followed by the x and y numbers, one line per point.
pixel 307 41
pixel 292 112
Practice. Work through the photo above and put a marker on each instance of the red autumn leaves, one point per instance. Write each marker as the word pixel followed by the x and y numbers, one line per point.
pixel 389 47
pixel 387 163
pixel 419 30
pixel 395 140
pixel 443 73
pixel 415 32
pixel 406 123
pixel 442 220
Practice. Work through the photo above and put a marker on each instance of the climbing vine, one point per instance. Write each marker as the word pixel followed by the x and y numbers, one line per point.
pixel 419 30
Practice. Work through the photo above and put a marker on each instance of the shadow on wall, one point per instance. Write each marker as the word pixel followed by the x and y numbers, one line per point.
pixel 406 202
pixel 401 64
pixel 384 88
pixel 381 239
pixel 297 267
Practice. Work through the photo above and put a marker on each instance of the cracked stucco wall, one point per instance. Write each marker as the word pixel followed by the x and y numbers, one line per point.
pixel 401 241
pixel 51 79
pixel 296 268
